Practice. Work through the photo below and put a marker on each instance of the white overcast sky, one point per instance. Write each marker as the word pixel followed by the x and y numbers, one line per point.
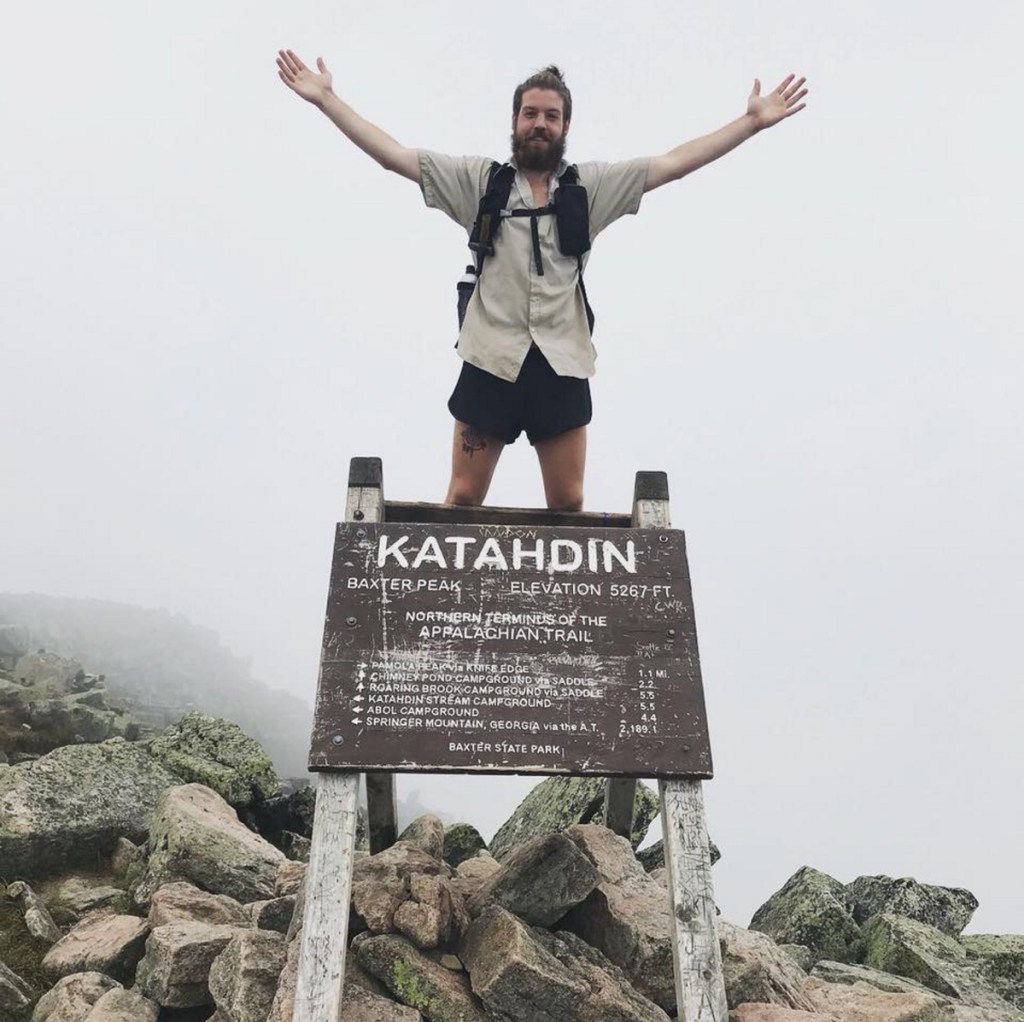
pixel 209 302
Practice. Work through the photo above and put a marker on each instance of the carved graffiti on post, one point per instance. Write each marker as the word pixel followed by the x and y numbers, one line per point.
pixel 508 648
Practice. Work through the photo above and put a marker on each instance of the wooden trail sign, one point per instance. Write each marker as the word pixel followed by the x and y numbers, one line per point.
pixel 611 686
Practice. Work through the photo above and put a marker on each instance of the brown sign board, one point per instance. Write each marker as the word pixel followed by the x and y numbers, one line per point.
pixel 512 649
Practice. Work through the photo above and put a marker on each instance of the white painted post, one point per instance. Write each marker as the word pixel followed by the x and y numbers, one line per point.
pixel 320 985
pixel 697 957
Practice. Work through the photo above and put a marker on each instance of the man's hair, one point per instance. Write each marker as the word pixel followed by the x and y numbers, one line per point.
pixel 549 77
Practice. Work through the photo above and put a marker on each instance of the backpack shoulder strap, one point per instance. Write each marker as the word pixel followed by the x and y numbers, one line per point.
pixel 488 215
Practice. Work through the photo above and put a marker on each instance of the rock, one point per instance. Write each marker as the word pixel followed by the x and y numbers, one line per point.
pixel 524 973
pixel 627 916
pixel 361 1006
pixel 282 1007
pixel 275 914
pixel 800 955
pixel 920 952
pixel 81 717
pixel 243 977
pixel 176 967
pixel 295 846
pixel 810 909
pixel 438 994
pixel 69 807
pixel 185 903
pixel 841 972
pixel 125 856
pixel 380 883
pixel 426 832
pixel 196 836
pixel 73 997
pixel 220 755
pixel 862 1002
pixel 558 803
pixel 653 856
pixel 1001 962
pixel 461 842
pixel 290 876
pixel 540 881
pixel 16 995
pixel 471 874
pixel 123 1006
pixel 47 671
pixel 434 916
pixel 38 920
pixel 774 1013
pixel 755 969
pixel 948 909
pixel 79 895
pixel 109 944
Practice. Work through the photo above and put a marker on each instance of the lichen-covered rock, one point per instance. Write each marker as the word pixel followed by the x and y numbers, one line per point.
pixel 243 977
pixel 539 881
pixel 755 969
pixel 653 856
pixel 1001 960
pixel 123 1006
pixel 112 945
pixel 862 1002
pixel 362 1006
pixel 69 807
pixel 437 993
pixel 426 832
pixel 196 836
pixel 220 755
pixel 948 909
pixel 462 841
pixel 73 997
pixel 38 920
pixel 558 803
pixel 810 909
pixel 175 970
pixel 842 972
pixel 185 903
pixel 920 952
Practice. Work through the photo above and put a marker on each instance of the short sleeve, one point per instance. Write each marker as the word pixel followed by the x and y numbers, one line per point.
pixel 453 184
pixel 613 190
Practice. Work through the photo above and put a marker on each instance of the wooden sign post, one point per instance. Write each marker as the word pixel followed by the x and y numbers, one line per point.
pixel 506 640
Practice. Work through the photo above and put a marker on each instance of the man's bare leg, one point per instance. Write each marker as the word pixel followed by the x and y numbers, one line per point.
pixel 563 459
pixel 474 457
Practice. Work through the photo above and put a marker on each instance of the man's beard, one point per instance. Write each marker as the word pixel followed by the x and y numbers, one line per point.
pixel 534 157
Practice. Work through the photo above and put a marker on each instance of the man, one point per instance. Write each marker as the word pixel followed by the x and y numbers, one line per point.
pixel 525 339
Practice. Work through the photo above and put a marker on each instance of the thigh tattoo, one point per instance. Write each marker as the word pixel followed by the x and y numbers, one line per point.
pixel 473 440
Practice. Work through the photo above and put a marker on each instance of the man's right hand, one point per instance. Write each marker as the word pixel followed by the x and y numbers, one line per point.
pixel 302 80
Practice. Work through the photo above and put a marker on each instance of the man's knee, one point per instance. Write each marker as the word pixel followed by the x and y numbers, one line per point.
pixel 571 500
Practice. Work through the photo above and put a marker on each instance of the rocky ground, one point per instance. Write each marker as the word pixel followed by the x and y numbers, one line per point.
pixel 162 879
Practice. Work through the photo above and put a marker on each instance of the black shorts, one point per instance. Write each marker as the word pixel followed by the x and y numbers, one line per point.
pixel 540 401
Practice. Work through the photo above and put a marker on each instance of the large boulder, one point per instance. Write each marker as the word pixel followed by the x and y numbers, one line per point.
pixel 462 841
pixel 219 754
pixel 560 802
pixel 69 807
pixel 810 909
pixel 862 1002
pixel 426 832
pixel 243 977
pixel 381 884
pixel 112 945
pixel 46 672
pixel 196 836
pixel 627 916
pixel 843 972
pixel 1001 960
pixel 920 952
pixel 653 856
pixel 948 909
pixel 73 997
pixel 175 970
pixel 123 1006
pixel 185 903
pixel 539 881
pixel 755 969
pixel 437 993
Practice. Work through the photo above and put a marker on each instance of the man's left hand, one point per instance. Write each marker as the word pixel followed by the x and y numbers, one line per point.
pixel 780 103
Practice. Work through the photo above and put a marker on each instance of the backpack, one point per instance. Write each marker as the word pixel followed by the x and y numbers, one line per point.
pixel 568 206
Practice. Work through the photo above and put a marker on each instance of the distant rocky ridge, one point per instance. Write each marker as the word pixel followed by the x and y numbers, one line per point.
pixel 157 666
pixel 162 879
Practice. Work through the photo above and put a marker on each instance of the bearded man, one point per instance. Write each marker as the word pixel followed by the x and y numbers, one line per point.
pixel 525 337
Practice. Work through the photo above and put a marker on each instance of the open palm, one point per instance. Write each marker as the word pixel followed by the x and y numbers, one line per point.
pixel 783 101
pixel 309 84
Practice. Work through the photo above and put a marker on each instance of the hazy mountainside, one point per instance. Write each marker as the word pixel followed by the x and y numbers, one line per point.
pixel 160 665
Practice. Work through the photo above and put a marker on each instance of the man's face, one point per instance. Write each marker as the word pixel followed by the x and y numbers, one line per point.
pixel 539 130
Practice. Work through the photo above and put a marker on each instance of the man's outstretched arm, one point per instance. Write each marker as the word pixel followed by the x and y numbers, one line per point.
pixel 315 87
pixel 762 112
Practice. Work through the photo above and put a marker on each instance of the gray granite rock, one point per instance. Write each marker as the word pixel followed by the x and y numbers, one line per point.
pixel 381 883
pixel 756 969
pixel 38 920
pixel 653 856
pixel 1000 959
pixel 243 977
pixel 843 972
pixel 109 944
pixel 73 997
pixel 948 909
pixel 175 970
pixel 560 802
pixel 123 1006
pixel 182 902
pixel 462 841
pixel 426 832
pixel 810 909
pixel 16 995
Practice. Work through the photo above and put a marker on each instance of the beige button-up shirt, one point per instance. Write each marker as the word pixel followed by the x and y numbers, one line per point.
pixel 512 305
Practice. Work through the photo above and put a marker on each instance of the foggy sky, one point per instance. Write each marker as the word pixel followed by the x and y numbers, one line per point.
pixel 210 301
